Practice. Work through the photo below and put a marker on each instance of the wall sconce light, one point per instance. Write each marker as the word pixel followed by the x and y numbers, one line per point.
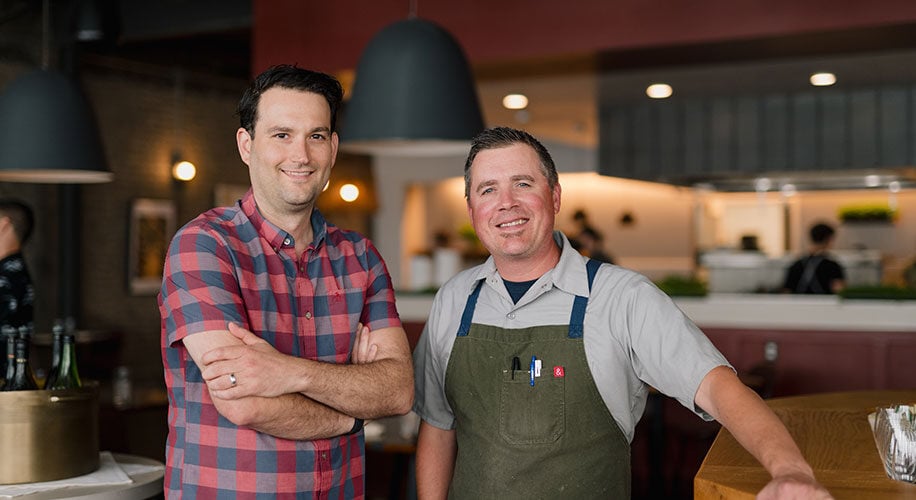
pixel 183 171
pixel 351 187
pixel 349 193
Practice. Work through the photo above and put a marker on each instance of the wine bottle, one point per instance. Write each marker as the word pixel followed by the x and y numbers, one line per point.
pixel 25 332
pixel 8 334
pixel 23 379
pixel 67 377
pixel 57 332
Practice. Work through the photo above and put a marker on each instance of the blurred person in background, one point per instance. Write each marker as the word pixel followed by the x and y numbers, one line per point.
pixel 817 272
pixel 17 295
pixel 591 244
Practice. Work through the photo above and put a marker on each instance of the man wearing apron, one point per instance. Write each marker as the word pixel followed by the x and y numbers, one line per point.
pixel 533 368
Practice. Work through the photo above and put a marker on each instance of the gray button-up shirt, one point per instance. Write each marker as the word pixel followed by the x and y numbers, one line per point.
pixel 635 336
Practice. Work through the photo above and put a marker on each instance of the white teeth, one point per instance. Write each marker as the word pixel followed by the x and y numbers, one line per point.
pixel 298 173
pixel 513 223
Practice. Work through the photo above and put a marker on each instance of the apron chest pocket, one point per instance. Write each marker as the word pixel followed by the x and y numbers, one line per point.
pixel 531 415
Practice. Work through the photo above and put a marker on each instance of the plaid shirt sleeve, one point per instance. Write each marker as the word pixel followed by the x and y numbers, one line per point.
pixel 200 291
pixel 380 311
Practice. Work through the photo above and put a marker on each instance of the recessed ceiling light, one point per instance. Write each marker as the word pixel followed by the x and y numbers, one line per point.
pixel 515 101
pixel 822 79
pixel 872 181
pixel 659 91
pixel 788 190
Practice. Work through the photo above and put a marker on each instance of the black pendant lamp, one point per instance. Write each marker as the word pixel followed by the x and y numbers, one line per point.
pixel 413 94
pixel 48 133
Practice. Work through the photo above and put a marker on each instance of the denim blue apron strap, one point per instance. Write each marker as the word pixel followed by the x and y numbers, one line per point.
pixel 577 317
pixel 468 314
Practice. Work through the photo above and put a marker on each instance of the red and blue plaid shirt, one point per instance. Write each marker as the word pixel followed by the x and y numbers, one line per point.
pixel 230 264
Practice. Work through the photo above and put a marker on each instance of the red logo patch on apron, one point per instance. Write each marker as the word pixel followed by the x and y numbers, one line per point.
pixel 558 372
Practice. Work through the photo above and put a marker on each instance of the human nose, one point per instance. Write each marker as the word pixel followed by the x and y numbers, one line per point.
pixel 300 151
pixel 507 199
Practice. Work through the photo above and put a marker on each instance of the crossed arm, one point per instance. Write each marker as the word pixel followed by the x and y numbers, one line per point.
pixel 296 398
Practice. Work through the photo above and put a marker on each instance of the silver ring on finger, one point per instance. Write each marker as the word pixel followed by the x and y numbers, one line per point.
pixel 232 379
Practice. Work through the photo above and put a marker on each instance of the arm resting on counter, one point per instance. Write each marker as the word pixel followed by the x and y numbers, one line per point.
pixel 760 432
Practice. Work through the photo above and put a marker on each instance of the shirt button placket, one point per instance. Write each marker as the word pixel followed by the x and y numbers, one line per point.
pixel 325 474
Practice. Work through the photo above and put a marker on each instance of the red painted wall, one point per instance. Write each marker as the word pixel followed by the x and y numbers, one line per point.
pixel 330 35
pixel 812 361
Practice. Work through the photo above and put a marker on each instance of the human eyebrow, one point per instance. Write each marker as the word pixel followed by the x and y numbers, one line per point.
pixel 483 185
pixel 279 130
pixel 523 177
pixel 323 132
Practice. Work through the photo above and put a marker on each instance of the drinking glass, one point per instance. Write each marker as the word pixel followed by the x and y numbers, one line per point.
pixel 895 437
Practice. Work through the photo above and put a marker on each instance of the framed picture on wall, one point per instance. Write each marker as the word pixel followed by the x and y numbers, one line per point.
pixel 152 225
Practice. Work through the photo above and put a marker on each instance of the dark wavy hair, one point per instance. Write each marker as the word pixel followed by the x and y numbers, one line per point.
pixel 290 77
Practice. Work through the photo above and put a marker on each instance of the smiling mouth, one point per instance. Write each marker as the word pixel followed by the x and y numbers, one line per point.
pixel 298 174
pixel 513 223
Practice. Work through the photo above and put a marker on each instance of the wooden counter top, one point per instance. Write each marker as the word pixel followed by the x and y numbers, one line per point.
pixel 832 432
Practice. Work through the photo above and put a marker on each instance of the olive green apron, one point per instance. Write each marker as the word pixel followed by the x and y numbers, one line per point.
pixel 553 439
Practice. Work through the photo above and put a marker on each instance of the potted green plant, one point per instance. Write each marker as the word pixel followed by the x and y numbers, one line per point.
pixel 867 213
pixel 878 292
pixel 681 286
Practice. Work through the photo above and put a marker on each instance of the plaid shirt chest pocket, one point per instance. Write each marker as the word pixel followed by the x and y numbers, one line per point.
pixel 338 311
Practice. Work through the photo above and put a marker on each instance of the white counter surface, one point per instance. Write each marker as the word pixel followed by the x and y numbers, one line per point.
pixel 760 311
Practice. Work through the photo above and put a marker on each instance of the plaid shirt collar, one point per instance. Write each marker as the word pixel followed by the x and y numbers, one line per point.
pixel 276 237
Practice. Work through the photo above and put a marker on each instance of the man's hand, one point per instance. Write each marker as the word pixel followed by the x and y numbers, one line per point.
pixel 363 351
pixel 258 368
pixel 793 486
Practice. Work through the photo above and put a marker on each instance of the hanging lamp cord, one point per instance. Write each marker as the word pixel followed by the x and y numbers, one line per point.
pixel 45 33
